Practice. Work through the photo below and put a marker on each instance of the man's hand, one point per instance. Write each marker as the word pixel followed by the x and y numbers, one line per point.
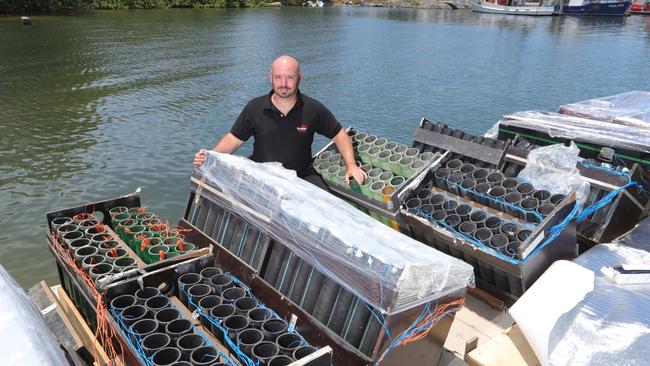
pixel 355 172
pixel 199 158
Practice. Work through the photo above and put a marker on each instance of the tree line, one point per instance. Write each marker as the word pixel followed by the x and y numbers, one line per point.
pixel 31 6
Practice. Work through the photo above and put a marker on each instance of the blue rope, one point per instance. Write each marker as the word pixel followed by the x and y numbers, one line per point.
pixel 604 201
pixel 608 170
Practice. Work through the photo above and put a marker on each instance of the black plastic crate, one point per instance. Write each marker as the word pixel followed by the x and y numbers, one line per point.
pixel 467 207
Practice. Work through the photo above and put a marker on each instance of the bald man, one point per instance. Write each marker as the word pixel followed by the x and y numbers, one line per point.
pixel 283 123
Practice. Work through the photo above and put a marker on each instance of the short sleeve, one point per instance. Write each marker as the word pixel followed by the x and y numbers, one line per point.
pixel 243 127
pixel 327 125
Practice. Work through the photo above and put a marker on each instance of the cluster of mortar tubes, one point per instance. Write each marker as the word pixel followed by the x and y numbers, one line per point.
pixel 443 129
pixel 242 320
pixel 92 247
pixel 491 188
pixel 388 165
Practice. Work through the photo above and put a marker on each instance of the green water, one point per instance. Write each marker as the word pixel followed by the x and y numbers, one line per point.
pixel 93 106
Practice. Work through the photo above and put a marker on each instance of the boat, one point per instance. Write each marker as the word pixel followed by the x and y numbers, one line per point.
pixel 640 8
pixel 597 7
pixel 527 9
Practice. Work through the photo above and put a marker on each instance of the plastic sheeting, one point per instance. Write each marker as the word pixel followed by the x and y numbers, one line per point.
pixel 388 270
pixel 25 339
pixel 556 125
pixel 631 109
pixel 553 168
pixel 574 315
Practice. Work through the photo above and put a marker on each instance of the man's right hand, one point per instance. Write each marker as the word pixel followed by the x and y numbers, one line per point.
pixel 199 158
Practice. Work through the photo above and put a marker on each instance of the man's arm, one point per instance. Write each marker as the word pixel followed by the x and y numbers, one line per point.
pixel 227 145
pixel 344 145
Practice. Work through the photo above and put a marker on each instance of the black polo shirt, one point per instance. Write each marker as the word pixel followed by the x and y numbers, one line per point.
pixel 285 139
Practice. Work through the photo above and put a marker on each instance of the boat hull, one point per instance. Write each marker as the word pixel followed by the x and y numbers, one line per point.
pixel 491 8
pixel 619 8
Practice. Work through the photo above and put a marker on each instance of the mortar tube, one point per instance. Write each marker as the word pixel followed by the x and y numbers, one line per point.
pixel 467 170
pixel 452 220
pixel 245 304
pixel 81 253
pixel 511 249
pixel 143 328
pixel 157 303
pixel 188 343
pixel 526 189
pixel 467 228
pixel 427 157
pixel 453 183
pixel 204 356
pixel 478 217
pixel 497 193
pixel 426 210
pixel 360 136
pixel 467 188
pixel 363 153
pixel 66 228
pixel 393 162
pixel 124 263
pixel 556 199
pixel 439 215
pixel 324 155
pixel 219 313
pixel 440 178
pixel 529 204
pixel 115 254
pixel 480 175
pixel 156 253
pixel 207 304
pixel 198 292
pixel 178 328
pixel 510 184
pixel 494 224
pixel 413 205
pixel 117 210
pixel 376 188
pixel 209 272
pixel 272 328
pixel 385 177
pixel 380 142
pixel 405 169
pixel 523 234
pixel 133 313
pixel 280 360
pixel 373 153
pixel 233 294
pixel 221 283
pixel 463 211
pixel 416 167
pixel 105 246
pixel 117 219
pixel 94 230
pixel 264 351
pixel 545 209
pixel 145 293
pixel 424 194
pixel 542 195
pixel 235 324
pixel 70 237
pixel 498 241
pixel 483 235
pixel 57 222
pixel 247 338
pixel 91 261
pixel 154 342
pixel 437 200
pixel 289 342
pixel 513 198
pixel 257 317
pixel 411 153
pixel 509 229
pixel 122 302
pixel 374 173
pixel 495 178
pixel 382 159
pixel 397 182
pixel 454 165
pixel 450 206
pixel 483 189
pixel 400 149
pixel 304 351
pixel 166 316
pixel 186 281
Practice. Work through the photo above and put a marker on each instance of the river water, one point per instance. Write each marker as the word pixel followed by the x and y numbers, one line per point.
pixel 93 106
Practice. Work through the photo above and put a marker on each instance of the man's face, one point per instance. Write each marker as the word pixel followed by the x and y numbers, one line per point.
pixel 285 78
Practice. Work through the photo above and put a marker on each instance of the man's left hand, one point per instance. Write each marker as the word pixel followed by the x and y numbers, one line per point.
pixel 355 172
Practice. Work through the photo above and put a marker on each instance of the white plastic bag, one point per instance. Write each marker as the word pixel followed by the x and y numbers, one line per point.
pixel 553 168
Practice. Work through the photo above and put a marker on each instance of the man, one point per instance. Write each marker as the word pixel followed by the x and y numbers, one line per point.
pixel 283 123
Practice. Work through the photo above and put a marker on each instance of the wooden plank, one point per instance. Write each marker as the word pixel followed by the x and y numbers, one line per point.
pixel 87 337
pixel 509 348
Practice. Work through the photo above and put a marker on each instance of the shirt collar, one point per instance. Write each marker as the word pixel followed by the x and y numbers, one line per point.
pixel 268 104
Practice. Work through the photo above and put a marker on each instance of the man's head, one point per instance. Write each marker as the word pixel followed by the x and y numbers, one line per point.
pixel 285 76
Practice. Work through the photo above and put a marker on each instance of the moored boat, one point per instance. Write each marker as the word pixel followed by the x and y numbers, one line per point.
pixel 493 8
pixel 597 7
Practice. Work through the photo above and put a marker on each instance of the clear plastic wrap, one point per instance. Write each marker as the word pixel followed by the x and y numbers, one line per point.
pixel 631 109
pixel 574 315
pixel 553 168
pixel 25 339
pixel 612 135
pixel 388 270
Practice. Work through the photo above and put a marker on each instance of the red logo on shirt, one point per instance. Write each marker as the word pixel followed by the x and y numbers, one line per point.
pixel 302 128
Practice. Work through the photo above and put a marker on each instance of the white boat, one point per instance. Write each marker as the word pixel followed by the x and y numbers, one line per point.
pixel 492 8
